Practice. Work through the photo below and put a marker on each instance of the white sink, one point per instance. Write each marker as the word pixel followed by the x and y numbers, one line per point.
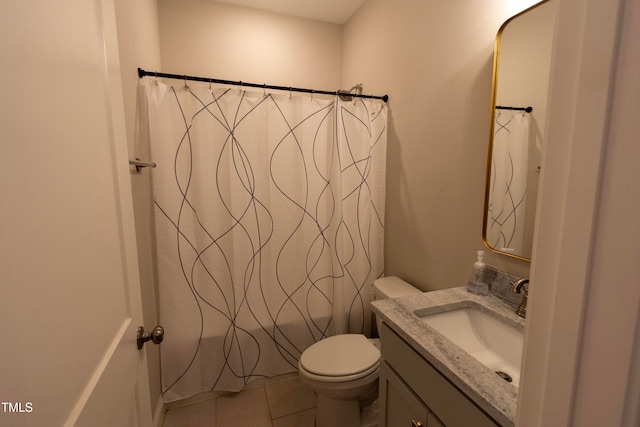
pixel 491 341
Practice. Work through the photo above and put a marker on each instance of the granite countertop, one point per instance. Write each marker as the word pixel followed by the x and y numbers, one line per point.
pixel 490 392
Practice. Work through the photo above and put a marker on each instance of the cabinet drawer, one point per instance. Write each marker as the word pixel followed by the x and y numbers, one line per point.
pixel 448 403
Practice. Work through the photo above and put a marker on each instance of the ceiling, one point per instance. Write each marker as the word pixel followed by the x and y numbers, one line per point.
pixel 334 11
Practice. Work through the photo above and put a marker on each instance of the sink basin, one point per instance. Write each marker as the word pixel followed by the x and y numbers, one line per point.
pixel 494 343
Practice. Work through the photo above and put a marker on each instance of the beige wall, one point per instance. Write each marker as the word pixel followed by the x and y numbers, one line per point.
pixel 203 38
pixel 139 46
pixel 435 63
pixel 525 60
pixel 315 48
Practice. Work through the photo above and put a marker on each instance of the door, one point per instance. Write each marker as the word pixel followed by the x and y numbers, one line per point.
pixel 69 288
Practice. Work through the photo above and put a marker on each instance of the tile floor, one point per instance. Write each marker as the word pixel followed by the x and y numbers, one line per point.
pixel 282 402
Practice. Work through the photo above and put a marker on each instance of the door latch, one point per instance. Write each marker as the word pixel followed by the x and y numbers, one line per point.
pixel 156 336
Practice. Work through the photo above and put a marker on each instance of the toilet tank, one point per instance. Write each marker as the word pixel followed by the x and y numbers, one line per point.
pixel 391 287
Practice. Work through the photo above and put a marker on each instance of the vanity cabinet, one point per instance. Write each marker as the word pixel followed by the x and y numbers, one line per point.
pixel 401 405
pixel 413 393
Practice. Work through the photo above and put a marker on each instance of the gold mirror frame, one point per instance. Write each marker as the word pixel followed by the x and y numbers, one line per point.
pixel 494 92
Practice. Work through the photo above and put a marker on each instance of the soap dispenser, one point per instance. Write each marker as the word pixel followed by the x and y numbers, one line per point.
pixel 476 284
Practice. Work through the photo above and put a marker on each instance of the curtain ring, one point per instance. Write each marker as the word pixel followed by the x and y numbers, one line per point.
pixel 264 90
pixel 290 93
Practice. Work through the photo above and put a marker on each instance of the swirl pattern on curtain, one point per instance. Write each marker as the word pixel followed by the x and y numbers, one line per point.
pixel 508 191
pixel 269 227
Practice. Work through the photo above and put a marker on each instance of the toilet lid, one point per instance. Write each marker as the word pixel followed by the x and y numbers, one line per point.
pixel 340 355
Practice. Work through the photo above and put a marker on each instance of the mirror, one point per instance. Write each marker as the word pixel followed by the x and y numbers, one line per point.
pixel 521 68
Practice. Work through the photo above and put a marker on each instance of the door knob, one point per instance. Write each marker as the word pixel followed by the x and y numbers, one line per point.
pixel 156 336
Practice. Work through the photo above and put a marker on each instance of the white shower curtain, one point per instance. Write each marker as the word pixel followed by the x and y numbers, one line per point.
pixel 269 225
pixel 507 200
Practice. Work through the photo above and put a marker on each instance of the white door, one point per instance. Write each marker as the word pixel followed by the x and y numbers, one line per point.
pixel 69 288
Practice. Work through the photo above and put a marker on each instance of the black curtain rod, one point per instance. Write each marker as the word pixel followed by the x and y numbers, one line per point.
pixel 143 73
pixel 527 109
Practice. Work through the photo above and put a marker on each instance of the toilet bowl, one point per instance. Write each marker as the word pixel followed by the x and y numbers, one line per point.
pixel 343 369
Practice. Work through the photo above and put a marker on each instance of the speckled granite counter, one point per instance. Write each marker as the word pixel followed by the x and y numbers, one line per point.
pixel 490 392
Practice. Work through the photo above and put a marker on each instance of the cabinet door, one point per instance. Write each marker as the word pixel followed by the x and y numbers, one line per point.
pixel 433 421
pixel 400 407
pixel 451 406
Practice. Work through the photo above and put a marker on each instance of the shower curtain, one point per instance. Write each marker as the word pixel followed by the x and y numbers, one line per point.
pixel 269 211
pixel 507 196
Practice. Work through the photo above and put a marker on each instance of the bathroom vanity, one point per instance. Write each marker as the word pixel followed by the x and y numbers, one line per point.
pixel 428 380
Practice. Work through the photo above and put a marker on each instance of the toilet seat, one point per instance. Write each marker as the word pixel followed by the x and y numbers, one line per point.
pixel 344 357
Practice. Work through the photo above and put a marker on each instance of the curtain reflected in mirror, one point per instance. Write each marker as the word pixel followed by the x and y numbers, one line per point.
pixel 518 118
pixel 507 205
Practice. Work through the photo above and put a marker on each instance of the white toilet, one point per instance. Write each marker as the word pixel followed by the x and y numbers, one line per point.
pixel 342 369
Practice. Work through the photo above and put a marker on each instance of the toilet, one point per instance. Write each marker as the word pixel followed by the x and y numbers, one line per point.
pixel 343 369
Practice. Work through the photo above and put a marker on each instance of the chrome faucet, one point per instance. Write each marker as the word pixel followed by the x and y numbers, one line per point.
pixel 521 287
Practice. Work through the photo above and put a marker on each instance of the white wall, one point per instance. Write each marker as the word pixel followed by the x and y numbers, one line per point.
pixel 434 60
pixel 208 39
